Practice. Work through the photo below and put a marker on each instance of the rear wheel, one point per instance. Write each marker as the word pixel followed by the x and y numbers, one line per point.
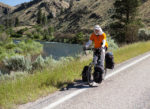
pixel 86 74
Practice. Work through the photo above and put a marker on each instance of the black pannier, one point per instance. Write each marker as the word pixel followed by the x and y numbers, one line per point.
pixel 109 60
pixel 86 74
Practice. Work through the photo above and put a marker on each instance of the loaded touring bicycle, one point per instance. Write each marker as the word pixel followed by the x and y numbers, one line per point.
pixel 98 71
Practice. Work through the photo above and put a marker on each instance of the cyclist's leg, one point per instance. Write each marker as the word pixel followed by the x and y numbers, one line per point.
pixel 102 57
pixel 95 58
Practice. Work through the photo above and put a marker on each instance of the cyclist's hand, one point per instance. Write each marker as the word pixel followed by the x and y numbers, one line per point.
pixel 102 48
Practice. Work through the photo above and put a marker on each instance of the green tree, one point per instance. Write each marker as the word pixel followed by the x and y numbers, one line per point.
pixel 16 22
pixel 125 12
pixel 49 33
pixel 10 22
pixel 39 17
pixel 79 38
pixel 2 28
pixel 44 19
pixel 6 23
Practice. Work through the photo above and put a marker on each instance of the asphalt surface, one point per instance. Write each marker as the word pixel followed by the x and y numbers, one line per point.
pixel 129 89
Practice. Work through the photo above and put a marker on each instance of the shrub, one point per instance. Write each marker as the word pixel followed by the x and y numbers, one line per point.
pixel 111 43
pixel 39 63
pixel 16 35
pixel 18 63
pixel 131 34
pixel 37 36
pixel 30 47
pixel 3 37
pixel 79 38
pixel 30 35
pixel 21 31
pixel 10 46
pixel 144 34
pixel 2 28
pixel 9 31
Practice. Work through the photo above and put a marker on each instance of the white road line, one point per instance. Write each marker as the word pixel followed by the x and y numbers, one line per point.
pixel 64 99
pixel 127 66
pixel 67 97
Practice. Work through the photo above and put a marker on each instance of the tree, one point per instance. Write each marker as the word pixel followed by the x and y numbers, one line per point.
pixel 48 33
pixel 125 12
pixel 2 28
pixel 44 19
pixel 51 31
pixel 79 38
pixel 39 17
pixel 6 22
pixel 16 22
pixel 10 22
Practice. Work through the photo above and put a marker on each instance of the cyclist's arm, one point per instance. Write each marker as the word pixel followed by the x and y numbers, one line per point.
pixel 88 43
pixel 104 40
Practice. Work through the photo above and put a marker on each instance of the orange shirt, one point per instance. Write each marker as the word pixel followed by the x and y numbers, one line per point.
pixel 98 40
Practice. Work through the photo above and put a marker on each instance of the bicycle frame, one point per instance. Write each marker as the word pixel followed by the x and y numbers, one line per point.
pixel 91 65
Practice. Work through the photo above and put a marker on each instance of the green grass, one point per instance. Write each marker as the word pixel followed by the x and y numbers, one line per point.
pixel 130 51
pixel 31 87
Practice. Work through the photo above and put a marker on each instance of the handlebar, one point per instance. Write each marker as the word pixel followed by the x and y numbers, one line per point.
pixel 88 49
pixel 92 49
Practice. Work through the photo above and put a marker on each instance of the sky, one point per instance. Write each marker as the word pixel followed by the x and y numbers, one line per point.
pixel 13 2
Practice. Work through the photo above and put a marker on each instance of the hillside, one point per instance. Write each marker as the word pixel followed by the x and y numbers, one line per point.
pixel 82 15
pixel 27 12
pixel 73 15
pixel 5 9
pixel 145 12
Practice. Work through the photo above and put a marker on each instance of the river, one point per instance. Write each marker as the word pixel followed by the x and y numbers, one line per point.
pixel 57 50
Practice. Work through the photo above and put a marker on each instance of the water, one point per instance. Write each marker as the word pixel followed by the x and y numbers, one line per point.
pixel 57 50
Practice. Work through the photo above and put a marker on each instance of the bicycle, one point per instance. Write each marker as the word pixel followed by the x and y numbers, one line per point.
pixel 99 71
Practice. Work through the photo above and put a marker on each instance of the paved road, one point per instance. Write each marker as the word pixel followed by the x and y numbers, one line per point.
pixel 130 89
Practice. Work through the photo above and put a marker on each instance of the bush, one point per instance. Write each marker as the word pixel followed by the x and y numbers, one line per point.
pixel 144 34
pixel 16 35
pixel 64 60
pixel 111 43
pixel 37 36
pixel 3 37
pixel 29 35
pixel 21 31
pixel 131 34
pixel 2 28
pixel 79 38
pixel 18 63
pixel 10 46
pixel 39 63
pixel 30 47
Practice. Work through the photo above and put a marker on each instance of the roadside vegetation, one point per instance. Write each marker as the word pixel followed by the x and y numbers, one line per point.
pixel 22 87
pixel 26 76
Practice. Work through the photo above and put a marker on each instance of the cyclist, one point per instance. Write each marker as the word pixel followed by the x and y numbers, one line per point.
pixel 99 39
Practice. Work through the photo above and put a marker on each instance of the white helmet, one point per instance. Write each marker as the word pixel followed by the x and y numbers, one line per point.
pixel 99 29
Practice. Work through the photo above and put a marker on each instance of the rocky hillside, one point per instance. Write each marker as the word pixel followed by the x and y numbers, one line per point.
pixel 83 14
pixel 5 9
pixel 145 12
pixel 73 15
pixel 66 15
pixel 27 12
